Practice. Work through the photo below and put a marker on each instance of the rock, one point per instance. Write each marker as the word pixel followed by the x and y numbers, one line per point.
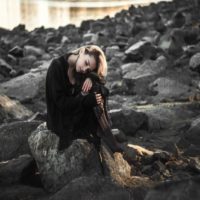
pixel 137 77
pixel 168 88
pixel 159 166
pixel 100 39
pixel 191 35
pixel 117 87
pixel 195 62
pixel 172 42
pixel 123 28
pixel 114 165
pixel 171 189
pixel 116 61
pixel 128 120
pixel 27 62
pixel 192 150
pixel 5 68
pixel 114 75
pixel 14 137
pixel 97 26
pixel 111 51
pixel 129 67
pixel 178 20
pixel 94 187
pixel 162 156
pixel 19 28
pixel 190 139
pixel 58 168
pixel 89 37
pixel 11 170
pixel 16 51
pixel 10 109
pixel 194 164
pixel 135 71
pixel 118 169
pixel 85 25
pixel 119 135
pixel 22 192
pixel 141 50
pixel 31 50
pixel 177 43
pixel 52 37
pixel 192 134
pixel 26 87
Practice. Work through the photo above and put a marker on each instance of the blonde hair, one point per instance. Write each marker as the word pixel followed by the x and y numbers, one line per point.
pixel 99 55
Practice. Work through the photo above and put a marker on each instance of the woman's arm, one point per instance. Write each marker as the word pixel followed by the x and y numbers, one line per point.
pixel 64 102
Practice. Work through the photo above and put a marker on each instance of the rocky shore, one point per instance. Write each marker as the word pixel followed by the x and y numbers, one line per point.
pixel 153 55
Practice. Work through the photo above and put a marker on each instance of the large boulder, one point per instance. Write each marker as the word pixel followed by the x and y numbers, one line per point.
pixel 168 88
pixel 127 120
pixel 92 187
pixel 137 76
pixel 14 138
pixel 141 50
pixel 58 168
pixel 136 71
pixel 25 87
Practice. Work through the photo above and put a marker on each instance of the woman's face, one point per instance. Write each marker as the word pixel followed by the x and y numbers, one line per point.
pixel 85 62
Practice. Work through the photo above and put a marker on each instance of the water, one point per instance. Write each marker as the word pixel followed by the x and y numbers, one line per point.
pixel 55 13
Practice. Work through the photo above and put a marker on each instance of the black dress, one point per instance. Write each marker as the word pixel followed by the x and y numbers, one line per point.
pixel 69 114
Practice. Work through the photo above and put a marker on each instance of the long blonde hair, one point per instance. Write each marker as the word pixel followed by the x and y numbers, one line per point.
pixel 99 56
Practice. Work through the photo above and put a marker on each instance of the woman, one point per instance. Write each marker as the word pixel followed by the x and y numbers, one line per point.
pixel 70 112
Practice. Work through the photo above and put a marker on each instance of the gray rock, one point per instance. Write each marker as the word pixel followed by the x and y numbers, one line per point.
pixel 31 50
pixel 178 19
pixel 111 51
pixel 19 191
pixel 135 71
pixel 93 187
pixel 16 51
pixel 141 50
pixel 10 109
pixel 58 168
pixel 5 68
pixel 195 62
pixel 114 75
pixel 190 140
pixel 137 76
pixel 88 37
pixel 127 120
pixel 14 138
pixel 119 135
pixel 168 88
pixel 25 87
pixel 27 62
pixel 176 189
pixel 192 150
pixel 11 170
pixel 97 26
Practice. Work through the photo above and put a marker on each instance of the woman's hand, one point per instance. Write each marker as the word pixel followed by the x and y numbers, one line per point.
pixel 99 98
pixel 87 85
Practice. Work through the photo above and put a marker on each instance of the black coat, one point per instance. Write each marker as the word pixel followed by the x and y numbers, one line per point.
pixel 67 113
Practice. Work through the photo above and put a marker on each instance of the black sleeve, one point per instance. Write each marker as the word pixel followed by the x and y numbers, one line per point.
pixel 55 85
